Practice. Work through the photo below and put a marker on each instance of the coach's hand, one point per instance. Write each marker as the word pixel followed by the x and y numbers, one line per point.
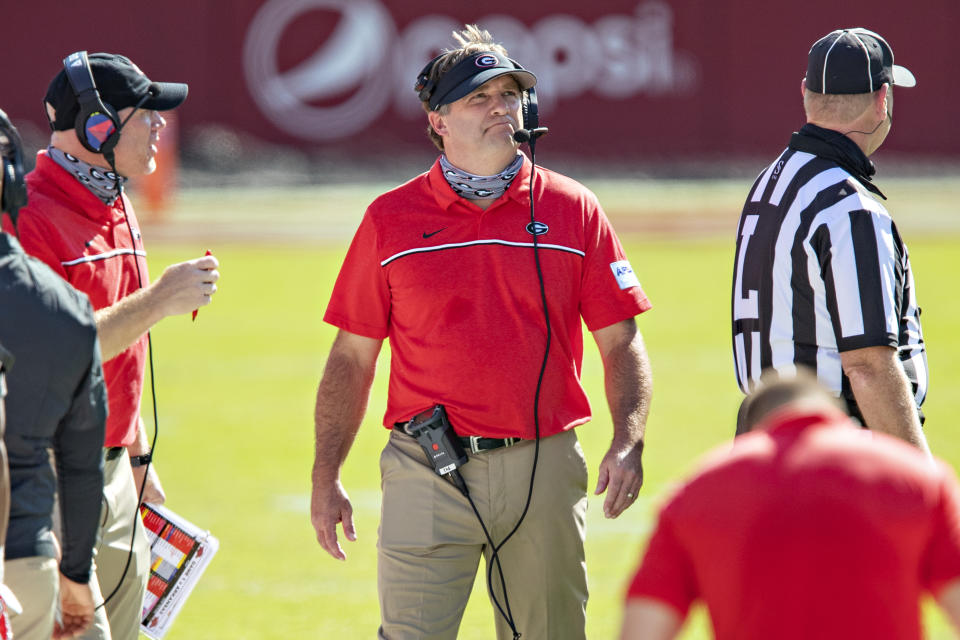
pixel 621 476
pixel 329 505
pixel 76 608
pixel 153 491
pixel 181 288
pixel 186 286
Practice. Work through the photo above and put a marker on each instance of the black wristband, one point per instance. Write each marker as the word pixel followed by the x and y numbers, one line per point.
pixel 139 461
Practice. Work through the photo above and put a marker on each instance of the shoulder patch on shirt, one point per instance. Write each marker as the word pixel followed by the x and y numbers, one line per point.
pixel 624 274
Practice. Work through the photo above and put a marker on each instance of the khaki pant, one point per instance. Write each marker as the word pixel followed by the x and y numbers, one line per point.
pixel 430 540
pixel 120 618
pixel 36 583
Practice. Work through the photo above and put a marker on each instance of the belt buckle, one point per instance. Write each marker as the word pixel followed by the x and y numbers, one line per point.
pixel 509 442
pixel 474 444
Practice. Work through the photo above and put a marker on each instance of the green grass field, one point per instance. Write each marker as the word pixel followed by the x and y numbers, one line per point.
pixel 235 391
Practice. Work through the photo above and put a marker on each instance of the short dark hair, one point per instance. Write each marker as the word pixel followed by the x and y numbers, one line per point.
pixel 776 391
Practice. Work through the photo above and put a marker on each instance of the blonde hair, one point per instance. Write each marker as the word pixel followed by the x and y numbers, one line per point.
pixel 472 39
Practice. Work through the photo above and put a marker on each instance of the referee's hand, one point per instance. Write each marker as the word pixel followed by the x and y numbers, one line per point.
pixel 621 476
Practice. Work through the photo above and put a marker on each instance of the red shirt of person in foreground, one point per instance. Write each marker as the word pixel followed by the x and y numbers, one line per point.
pixel 806 528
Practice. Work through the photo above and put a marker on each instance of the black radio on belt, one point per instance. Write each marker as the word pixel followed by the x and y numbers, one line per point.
pixel 438 440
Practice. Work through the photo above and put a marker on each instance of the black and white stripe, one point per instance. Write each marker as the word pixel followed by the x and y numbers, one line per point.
pixel 820 269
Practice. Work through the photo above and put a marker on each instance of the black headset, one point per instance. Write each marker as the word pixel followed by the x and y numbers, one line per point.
pixel 427 86
pixel 14 193
pixel 97 124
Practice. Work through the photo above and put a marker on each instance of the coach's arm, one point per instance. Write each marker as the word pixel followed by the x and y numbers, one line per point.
pixel 949 600
pixel 649 619
pixel 883 393
pixel 629 384
pixel 341 402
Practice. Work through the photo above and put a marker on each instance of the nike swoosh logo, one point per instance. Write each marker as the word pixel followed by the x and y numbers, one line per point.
pixel 427 235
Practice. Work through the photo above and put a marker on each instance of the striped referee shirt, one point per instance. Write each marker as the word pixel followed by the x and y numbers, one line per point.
pixel 821 269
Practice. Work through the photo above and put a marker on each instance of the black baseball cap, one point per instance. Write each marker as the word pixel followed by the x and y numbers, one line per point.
pixel 472 72
pixel 853 61
pixel 121 84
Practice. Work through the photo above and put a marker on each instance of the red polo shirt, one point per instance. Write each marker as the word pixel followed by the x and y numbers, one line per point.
pixel 89 245
pixel 808 529
pixel 455 289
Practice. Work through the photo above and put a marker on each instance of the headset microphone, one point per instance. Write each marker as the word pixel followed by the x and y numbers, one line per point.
pixel 528 135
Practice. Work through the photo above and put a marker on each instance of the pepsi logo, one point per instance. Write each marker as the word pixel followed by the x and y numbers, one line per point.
pixel 486 60
pixel 341 87
pixel 339 84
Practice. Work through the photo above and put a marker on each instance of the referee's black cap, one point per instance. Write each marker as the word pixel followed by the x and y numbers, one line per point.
pixel 853 61
pixel 120 83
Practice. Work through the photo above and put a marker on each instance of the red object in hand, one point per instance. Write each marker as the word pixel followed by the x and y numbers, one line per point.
pixel 195 311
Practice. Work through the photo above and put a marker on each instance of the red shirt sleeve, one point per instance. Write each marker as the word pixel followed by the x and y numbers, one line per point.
pixel 360 302
pixel 36 243
pixel 942 560
pixel 610 290
pixel 666 572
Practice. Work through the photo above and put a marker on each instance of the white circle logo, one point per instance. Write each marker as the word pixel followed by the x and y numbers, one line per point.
pixel 349 69
pixel 486 61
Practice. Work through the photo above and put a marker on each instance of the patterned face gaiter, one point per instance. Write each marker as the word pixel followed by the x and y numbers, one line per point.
pixel 473 187
pixel 101 182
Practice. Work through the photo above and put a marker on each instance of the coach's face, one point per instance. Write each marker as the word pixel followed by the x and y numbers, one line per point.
pixel 479 127
pixel 136 151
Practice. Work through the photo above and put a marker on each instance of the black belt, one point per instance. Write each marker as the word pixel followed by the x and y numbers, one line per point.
pixel 476 444
pixel 112 453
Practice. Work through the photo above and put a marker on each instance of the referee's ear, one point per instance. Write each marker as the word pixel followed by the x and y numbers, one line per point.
pixel 884 98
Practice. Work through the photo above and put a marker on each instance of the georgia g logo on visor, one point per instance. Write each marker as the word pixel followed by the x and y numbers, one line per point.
pixel 486 61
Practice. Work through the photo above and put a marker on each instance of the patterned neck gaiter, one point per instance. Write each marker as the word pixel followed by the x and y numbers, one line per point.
pixel 474 187
pixel 101 182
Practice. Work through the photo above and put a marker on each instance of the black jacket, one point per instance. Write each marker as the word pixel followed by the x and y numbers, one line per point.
pixel 56 400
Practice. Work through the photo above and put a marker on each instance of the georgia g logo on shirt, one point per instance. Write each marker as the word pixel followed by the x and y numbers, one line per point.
pixel 624 274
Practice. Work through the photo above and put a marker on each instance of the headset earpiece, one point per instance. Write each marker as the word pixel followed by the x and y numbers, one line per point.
pixel 14 195
pixel 97 124
pixel 425 86
pixel 529 109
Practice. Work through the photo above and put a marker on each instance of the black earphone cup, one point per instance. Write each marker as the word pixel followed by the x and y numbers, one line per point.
pixel 529 110
pixel 426 89
pixel 14 194
pixel 97 124
pixel 98 129
pixel 425 86
pixel 8 177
